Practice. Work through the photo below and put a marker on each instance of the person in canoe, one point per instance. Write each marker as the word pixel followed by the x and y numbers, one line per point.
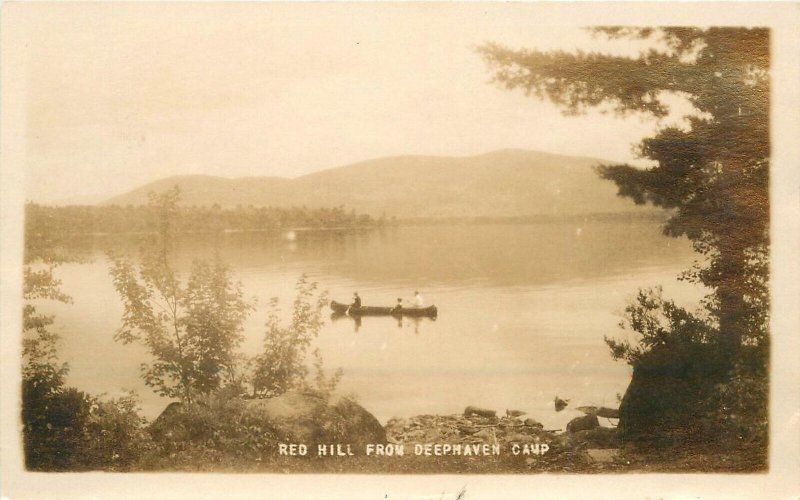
pixel 398 308
pixel 356 302
pixel 417 301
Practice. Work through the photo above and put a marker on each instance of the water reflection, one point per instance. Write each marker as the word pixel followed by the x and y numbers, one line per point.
pixel 420 256
pixel 338 316
pixel 412 322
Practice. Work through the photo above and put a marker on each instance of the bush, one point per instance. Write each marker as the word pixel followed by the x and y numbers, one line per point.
pixel 54 422
pixel 211 429
pixel 738 407
pixel 116 438
pixel 281 366
pixel 67 429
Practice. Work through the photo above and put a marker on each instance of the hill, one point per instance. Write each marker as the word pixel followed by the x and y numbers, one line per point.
pixel 497 184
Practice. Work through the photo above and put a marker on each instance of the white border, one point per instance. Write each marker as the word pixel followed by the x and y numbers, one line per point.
pixel 781 481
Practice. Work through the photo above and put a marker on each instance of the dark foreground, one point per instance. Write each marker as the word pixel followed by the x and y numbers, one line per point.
pixel 301 432
pixel 524 448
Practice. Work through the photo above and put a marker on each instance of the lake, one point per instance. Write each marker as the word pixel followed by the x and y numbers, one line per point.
pixel 523 309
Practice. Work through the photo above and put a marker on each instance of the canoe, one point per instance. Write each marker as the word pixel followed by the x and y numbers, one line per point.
pixel 429 312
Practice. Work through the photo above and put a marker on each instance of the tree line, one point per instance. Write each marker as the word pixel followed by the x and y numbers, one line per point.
pixel 89 219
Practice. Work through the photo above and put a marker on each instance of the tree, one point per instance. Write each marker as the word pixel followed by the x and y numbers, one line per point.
pixel 281 366
pixel 713 174
pixel 46 428
pixel 192 330
pixel 64 428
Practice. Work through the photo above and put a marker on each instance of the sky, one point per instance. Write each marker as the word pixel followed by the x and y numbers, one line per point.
pixel 118 95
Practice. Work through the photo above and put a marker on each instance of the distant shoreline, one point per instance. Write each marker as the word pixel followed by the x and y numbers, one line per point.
pixel 645 216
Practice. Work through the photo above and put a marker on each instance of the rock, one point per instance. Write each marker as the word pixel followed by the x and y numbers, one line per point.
pixel 533 423
pixel 667 400
pixel 305 418
pixel 481 412
pixel 398 422
pixel 599 437
pixel 602 456
pixel 514 413
pixel 173 424
pixel 559 403
pixel 518 438
pixel 509 422
pixel 583 423
pixel 292 417
pixel 415 435
pixel 485 435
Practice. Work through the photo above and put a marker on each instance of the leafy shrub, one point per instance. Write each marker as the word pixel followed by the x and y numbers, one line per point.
pixel 191 330
pixel 211 428
pixel 658 322
pixel 67 429
pixel 738 407
pixel 281 366
pixel 54 423
pixel 116 435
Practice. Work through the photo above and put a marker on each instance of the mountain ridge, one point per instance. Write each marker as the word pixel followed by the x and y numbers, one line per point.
pixel 502 183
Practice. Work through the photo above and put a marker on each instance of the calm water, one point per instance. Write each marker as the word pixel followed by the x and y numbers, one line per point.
pixel 522 311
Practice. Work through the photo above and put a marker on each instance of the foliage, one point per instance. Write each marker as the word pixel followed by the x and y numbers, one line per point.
pixel 212 428
pixel 43 254
pixel 738 407
pixel 325 385
pixel 281 366
pixel 658 322
pixel 53 419
pixel 71 220
pixel 116 434
pixel 67 429
pixel 192 327
pixel 192 330
pixel 713 173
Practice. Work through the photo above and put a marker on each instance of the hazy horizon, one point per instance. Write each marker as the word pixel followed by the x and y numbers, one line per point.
pixel 104 197
pixel 118 96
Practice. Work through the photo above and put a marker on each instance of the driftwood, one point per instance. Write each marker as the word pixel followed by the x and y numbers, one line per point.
pixel 481 412
pixel 481 426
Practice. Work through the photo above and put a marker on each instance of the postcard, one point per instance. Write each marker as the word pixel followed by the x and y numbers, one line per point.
pixel 400 250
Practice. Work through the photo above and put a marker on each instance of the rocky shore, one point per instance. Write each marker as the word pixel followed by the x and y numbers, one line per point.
pixel 583 444
pixel 239 435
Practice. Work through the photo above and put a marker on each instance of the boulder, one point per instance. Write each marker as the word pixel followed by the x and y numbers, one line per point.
pixel 669 397
pixel 292 417
pixel 584 423
pixel 481 412
pixel 173 424
pixel 306 418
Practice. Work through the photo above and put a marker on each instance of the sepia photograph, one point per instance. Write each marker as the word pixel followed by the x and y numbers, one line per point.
pixel 454 240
